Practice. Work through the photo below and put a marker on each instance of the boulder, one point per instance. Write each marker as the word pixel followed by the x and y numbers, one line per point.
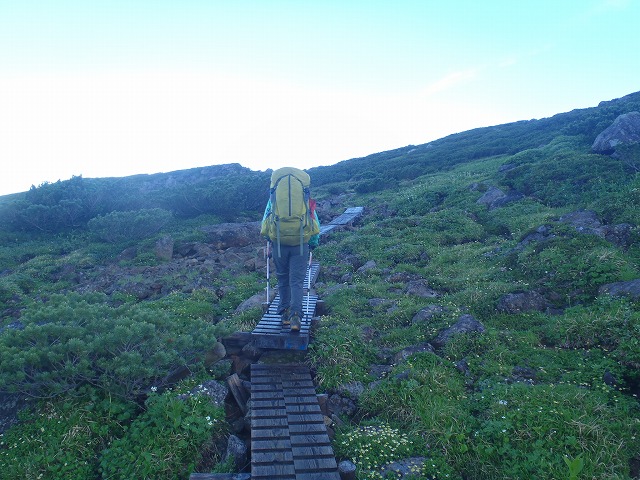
pixel 370 265
pixel 624 130
pixel 254 301
pixel 584 221
pixel 420 288
pixel 425 314
pixel 341 405
pixel 522 302
pixel 494 198
pixel 237 452
pixel 215 391
pixel 405 468
pixel 164 248
pixel 226 235
pixel 622 289
pixel 465 324
pixel 352 390
pixel 405 353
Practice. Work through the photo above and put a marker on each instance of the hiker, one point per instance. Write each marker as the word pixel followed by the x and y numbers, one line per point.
pixel 292 228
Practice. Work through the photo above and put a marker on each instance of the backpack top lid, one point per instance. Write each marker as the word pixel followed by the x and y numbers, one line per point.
pixel 296 172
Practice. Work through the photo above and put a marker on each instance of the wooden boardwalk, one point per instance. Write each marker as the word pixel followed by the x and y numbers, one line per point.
pixel 349 215
pixel 270 333
pixel 289 439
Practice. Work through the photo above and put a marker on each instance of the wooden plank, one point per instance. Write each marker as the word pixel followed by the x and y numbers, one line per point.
pixel 270 445
pixel 268 412
pixel 304 418
pixel 306 408
pixel 314 428
pixel 270 422
pixel 267 395
pixel 305 465
pixel 309 439
pixel 318 476
pixel 220 476
pixel 312 451
pixel 271 457
pixel 275 433
pixel 238 391
pixel 297 424
pixel 273 471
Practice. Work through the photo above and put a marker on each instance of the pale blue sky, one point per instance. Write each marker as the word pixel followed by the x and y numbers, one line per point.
pixel 115 88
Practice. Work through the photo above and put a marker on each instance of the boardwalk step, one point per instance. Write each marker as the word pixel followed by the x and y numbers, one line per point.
pixel 288 436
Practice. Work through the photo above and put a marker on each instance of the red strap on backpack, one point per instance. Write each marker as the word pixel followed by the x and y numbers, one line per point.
pixel 312 208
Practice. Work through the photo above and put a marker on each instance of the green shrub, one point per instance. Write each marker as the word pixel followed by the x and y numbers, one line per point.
pixel 117 227
pixel 62 440
pixel 573 267
pixel 166 441
pixel 432 400
pixel 372 446
pixel 77 339
pixel 526 431
pixel 340 354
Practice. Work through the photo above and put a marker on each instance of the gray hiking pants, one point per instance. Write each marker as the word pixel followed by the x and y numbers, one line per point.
pixel 291 269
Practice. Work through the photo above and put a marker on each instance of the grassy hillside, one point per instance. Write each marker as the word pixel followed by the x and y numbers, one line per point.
pixel 546 389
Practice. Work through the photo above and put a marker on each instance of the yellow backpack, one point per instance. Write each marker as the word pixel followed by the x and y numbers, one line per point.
pixel 289 221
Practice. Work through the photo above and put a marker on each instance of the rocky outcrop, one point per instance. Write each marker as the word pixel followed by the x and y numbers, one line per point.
pixel 465 324
pixel 426 314
pixel 226 235
pixel 522 302
pixel 495 198
pixel 624 130
pixel 586 221
pixel 622 289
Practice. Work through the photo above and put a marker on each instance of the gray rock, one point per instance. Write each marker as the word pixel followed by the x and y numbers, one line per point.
pixel 420 288
pixel 541 234
pixel 622 289
pixel 463 367
pixel 624 130
pixel 379 371
pixel 370 265
pixel 524 374
pixel 403 468
pixel 215 391
pixel 494 198
pixel 584 221
pixel 164 248
pixel 340 405
pixel 254 301
pixel 352 390
pixel 10 405
pixel 493 194
pixel 465 324
pixel 226 235
pixel 405 353
pixel 237 450
pixel 522 302
pixel 427 313
pixel 620 235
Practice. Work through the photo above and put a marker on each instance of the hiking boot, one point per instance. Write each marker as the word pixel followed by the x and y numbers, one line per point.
pixel 284 316
pixel 295 322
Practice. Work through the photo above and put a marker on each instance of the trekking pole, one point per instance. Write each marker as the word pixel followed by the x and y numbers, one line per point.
pixel 267 255
pixel 309 285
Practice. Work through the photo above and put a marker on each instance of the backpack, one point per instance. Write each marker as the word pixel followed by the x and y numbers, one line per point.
pixel 289 220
